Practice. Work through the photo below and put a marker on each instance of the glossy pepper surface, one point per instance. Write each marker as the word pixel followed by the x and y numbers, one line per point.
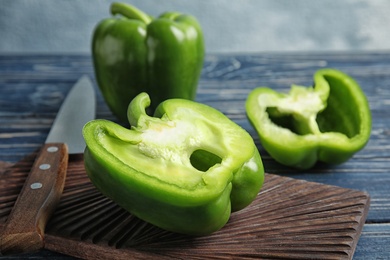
pixel 185 169
pixel 328 122
pixel 134 52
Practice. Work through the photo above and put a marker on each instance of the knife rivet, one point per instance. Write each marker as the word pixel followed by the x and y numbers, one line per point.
pixel 52 149
pixel 44 166
pixel 36 185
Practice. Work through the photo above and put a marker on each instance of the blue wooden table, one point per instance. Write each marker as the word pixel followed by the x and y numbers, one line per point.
pixel 32 87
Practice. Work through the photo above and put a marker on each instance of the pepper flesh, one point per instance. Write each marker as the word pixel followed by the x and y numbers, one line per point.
pixel 134 53
pixel 328 122
pixel 185 169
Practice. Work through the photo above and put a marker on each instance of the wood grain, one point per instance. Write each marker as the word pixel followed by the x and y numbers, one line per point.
pixel 290 219
pixel 32 88
pixel 25 226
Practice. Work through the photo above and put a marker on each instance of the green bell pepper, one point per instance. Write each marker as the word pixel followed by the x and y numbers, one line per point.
pixel 328 122
pixel 184 170
pixel 134 53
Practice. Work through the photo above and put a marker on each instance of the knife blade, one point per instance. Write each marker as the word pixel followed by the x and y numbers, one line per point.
pixel 24 228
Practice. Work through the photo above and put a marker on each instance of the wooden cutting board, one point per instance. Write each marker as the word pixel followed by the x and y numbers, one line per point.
pixel 290 219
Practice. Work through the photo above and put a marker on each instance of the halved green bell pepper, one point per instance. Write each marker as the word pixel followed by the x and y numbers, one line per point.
pixel 328 122
pixel 133 53
pixel 184 170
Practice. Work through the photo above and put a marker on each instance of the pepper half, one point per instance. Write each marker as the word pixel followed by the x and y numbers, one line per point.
pixel 328 122
pixel 133 53
pixel 184 170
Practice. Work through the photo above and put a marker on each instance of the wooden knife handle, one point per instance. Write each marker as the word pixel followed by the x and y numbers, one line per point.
pixel 25 226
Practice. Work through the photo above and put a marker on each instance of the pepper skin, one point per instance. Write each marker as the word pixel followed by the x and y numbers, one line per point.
pixel 134 53
pixel 184 170
pixel 328 122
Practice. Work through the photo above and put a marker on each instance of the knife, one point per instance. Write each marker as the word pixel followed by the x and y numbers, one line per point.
pixel 24 228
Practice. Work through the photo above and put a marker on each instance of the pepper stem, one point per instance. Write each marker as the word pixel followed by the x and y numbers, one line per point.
pixel 130 12
pixel 136 110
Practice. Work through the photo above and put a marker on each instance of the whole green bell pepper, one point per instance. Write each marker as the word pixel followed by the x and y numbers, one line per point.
pixel 328 122
pixel 183 170
pixel 134 53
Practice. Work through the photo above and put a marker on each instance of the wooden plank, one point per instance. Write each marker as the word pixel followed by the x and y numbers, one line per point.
pixel 374 242
pixel 225 83
pixel 289 218
pixel 226 80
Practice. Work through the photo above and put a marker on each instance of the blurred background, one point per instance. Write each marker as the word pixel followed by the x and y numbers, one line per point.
pixel 239 26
